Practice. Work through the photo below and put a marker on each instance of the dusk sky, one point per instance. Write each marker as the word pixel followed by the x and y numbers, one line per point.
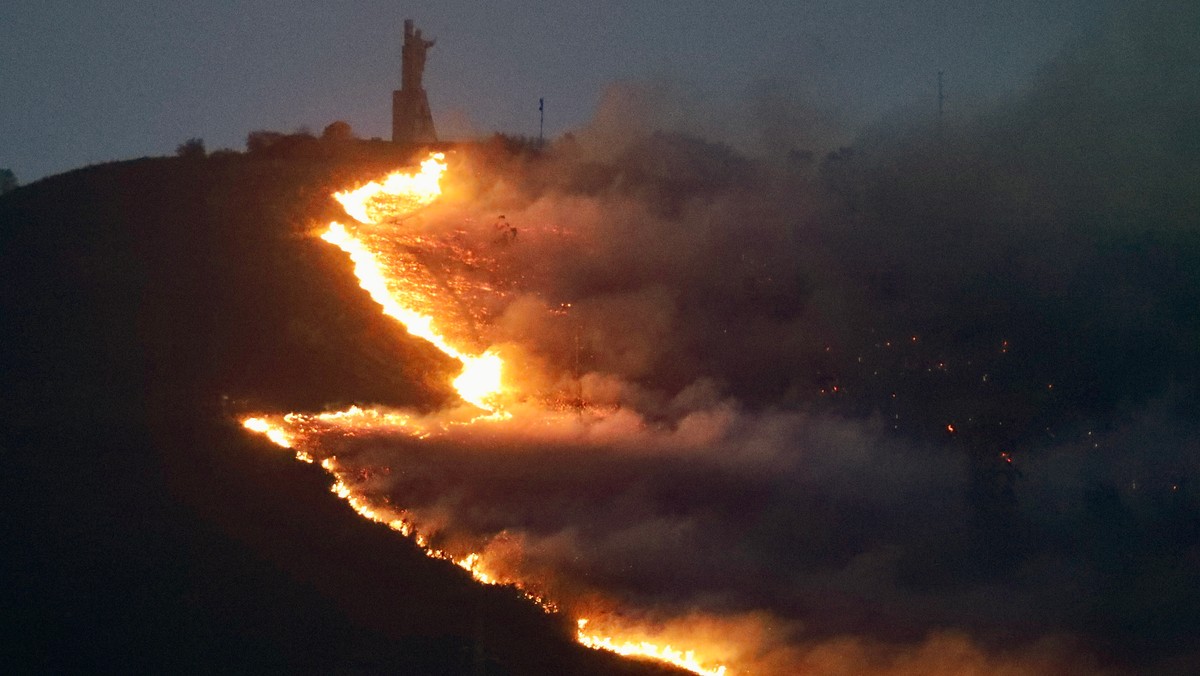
pixel 89 82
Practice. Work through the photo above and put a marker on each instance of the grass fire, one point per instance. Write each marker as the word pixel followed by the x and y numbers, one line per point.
pixel 723 380
pixel 389 203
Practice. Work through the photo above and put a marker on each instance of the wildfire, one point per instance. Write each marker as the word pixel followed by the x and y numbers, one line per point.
pixel 399 195
pixel 685 659
pixel 298 426
pixel 480 383
pixel 276 434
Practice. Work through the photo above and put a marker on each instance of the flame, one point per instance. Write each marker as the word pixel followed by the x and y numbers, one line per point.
pixel 294 429
pixel 480 383
pixel 276 434
pixel 685 659
pixel 400 194
pixel 284 433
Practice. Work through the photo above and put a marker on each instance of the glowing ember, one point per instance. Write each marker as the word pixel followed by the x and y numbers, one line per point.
pixel 685 659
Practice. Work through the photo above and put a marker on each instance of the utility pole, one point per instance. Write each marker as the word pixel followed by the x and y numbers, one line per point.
pixel 541 121
pixel 941 103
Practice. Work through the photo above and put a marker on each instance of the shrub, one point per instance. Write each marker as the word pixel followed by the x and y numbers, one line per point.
pixel 191 149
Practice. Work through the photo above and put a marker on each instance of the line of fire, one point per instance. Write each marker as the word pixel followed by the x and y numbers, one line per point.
pixel 391 265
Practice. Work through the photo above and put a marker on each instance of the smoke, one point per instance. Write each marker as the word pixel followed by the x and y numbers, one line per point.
pixel 774 118
pixel 796 538
pixel 922 404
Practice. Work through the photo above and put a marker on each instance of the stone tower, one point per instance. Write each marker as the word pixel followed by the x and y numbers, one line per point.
pixel 412 122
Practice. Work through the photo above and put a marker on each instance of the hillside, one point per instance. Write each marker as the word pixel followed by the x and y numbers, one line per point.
pixel 145 303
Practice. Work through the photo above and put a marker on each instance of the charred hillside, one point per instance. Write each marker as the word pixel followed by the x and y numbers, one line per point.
pixel 145 303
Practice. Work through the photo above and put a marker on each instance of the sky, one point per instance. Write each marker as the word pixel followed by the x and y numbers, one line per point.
pixel 92 81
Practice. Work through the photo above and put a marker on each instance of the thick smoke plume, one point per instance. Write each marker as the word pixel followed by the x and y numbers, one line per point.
pixel 923 404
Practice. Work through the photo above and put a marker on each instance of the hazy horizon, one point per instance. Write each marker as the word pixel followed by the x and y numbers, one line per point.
pixel 88 83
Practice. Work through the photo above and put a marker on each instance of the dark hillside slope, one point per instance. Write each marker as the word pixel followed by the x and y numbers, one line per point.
pixel 144 303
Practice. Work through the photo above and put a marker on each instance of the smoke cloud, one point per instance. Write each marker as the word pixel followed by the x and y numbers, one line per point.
pixel 920 402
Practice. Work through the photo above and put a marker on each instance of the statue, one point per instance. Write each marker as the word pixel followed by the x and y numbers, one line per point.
pixel 412 121
pixel 413 56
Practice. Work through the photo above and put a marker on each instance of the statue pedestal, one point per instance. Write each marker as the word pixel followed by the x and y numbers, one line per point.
pixel 412 121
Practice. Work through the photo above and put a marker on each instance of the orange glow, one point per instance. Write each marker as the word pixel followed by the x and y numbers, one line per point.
pixel 377 206
pixel 355 420
pixel 295 429
pixel 685 659
pixel 479 382
pixel 273 432
pixel 400 194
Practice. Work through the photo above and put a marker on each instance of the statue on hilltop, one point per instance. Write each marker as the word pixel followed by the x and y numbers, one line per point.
pixel 412 121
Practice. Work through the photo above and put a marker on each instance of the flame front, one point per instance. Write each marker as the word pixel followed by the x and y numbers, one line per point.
pixel 685 659
pixel 397 196
pixel 276 434
pixel 480 383
pixel 293 429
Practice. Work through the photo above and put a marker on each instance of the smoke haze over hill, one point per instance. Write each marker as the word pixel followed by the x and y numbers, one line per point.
pixel 929 394
pixel 909 398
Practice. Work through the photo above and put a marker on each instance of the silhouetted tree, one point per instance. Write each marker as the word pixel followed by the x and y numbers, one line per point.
pixel 191 149
pixel 338 131
pixel 8 181
pixel 283 146
pixel 258 141
pixel 513 144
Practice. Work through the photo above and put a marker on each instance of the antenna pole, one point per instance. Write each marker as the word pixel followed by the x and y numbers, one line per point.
pixel 941 102
pixel 541 121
